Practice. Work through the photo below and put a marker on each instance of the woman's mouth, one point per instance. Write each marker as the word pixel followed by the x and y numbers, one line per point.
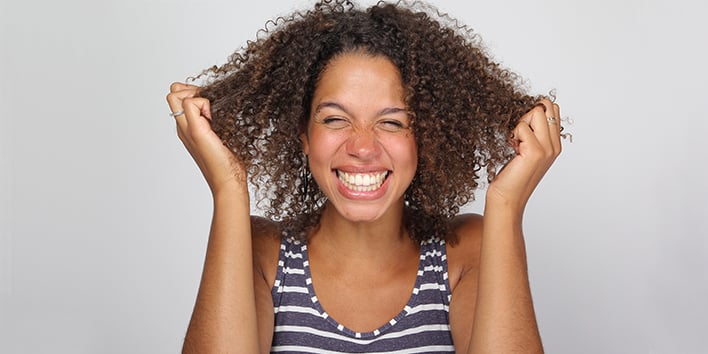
pixel 362 182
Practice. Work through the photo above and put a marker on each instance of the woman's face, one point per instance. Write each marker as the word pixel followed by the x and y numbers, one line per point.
pixel 359 141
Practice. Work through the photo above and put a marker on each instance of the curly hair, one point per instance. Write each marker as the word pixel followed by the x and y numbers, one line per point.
pixel 464 106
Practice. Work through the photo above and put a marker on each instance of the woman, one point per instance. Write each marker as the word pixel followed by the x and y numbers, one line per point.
pixel 365 131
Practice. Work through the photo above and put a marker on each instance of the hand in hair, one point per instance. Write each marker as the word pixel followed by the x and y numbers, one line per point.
pixel 537 142
pixel 217 163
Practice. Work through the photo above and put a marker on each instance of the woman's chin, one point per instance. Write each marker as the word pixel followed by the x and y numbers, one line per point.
pixel 357 211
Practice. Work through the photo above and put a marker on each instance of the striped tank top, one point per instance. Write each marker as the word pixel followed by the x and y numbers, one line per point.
pixel 303 326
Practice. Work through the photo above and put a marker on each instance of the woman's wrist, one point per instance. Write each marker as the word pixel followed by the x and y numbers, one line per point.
pixel 232 192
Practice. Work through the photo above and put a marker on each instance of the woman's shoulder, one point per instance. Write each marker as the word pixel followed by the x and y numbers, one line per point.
pixel 465 226
pixel 265 238
pixel 463 247
pixel 264 228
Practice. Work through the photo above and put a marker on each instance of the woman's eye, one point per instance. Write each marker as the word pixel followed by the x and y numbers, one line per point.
pixel 335 122
pixel 392 125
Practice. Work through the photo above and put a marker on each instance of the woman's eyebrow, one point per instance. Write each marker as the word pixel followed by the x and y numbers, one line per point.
pixel 392 110
pixel 329 104
pixel 335 105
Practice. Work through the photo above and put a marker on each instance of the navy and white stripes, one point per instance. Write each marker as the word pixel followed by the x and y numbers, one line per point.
pixel 302 325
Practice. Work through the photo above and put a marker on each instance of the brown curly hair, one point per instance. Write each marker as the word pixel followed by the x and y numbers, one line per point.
pixel 464 106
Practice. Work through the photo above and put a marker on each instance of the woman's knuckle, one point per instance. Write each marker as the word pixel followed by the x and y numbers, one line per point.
pixel 550 153
pixel 176 86
pixel 172 98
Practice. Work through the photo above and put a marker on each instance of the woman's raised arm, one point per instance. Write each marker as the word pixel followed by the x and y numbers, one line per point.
pixel 504 318
pixel 225 318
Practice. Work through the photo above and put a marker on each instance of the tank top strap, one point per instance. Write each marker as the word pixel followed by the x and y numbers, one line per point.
pixel 434 272
pixel 291 261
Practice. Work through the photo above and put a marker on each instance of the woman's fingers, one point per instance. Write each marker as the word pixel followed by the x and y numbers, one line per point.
pixel 544 123
pixel 178 93
pixel 179 86
pixel 539 122
pixel 552 115
pixel 197 113
pixel 537 143
pixel 556 131
pixel 192 115
pixel 184 112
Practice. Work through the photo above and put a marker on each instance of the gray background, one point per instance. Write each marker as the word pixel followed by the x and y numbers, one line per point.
pixel 104 216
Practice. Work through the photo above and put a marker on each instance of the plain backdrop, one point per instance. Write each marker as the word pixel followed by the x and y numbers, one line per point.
pixel 104 217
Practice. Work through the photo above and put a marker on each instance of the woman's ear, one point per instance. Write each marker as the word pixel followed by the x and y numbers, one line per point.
pixel 305 143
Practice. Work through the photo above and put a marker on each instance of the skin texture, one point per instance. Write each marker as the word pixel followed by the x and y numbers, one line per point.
pixel 363 244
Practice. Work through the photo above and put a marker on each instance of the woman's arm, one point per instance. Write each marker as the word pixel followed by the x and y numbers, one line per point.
pixel 225 317
pixel 504 319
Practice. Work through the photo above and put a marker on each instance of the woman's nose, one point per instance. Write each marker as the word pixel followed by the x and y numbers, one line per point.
pixel 363 145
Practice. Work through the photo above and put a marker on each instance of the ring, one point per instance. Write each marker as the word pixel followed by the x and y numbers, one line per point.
pixel 551 120
pixel 175 114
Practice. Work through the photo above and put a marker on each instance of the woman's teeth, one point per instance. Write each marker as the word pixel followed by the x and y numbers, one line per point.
pixel 362 182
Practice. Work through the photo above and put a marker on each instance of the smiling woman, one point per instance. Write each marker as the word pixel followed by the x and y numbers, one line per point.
pixel 367 130
pixel 359 136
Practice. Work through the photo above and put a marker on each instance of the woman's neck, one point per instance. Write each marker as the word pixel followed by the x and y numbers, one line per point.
pixel 379 239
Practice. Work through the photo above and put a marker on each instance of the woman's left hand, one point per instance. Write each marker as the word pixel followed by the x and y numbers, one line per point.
pixel 537 141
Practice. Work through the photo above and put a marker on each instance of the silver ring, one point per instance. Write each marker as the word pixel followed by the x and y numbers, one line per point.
pixel 175 114
pixel 552 120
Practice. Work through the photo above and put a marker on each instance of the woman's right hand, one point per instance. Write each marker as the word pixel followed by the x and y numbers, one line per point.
pixel 220 167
